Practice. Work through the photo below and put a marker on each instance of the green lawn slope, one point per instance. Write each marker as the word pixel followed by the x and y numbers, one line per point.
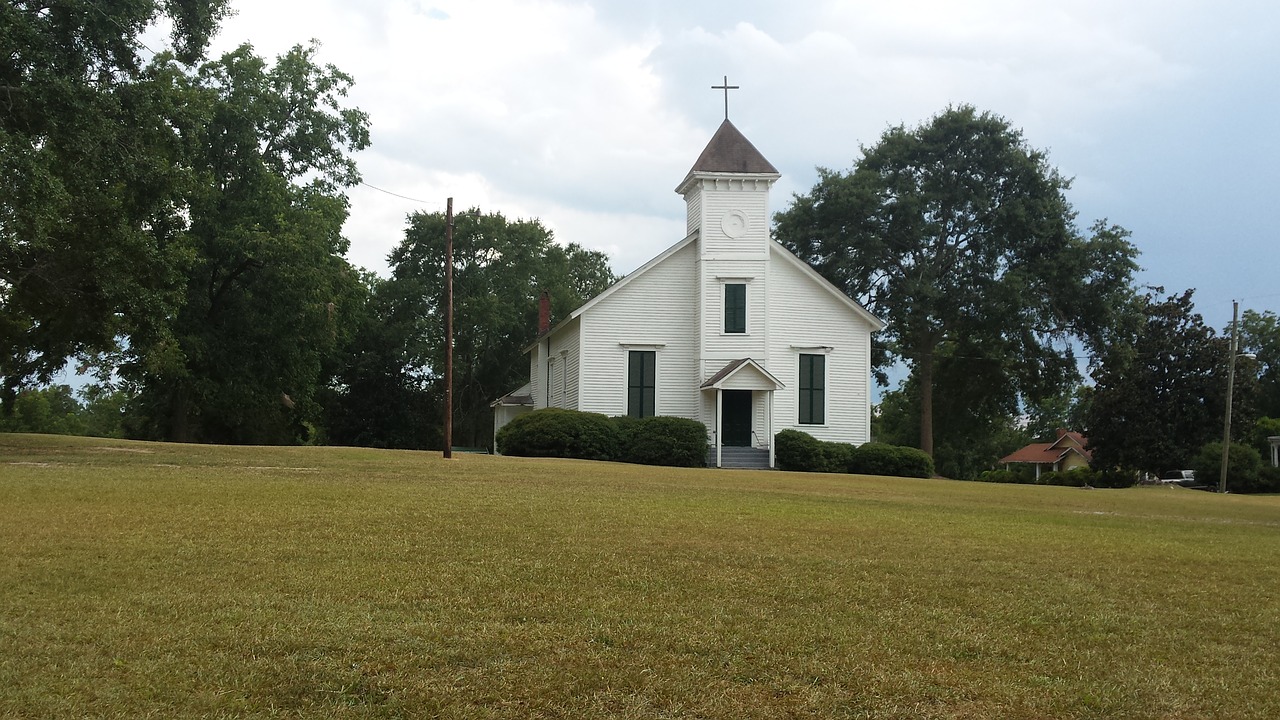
pixel 164 580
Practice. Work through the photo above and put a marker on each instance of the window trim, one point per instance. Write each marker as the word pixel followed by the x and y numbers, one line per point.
pixel 801 390
pixel 628 386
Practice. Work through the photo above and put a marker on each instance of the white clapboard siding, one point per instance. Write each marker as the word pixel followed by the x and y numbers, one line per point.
pixel 566 347
pixel 751 198
pixel 536 380
pixel 693 212
pixel 656 310
pixel 806 318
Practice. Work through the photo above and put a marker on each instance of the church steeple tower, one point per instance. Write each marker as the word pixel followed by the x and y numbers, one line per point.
pixel 727 193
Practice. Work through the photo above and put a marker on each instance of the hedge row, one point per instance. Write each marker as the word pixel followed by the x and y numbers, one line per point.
pixel 1078 477
pixel 553 432
pixel 801 451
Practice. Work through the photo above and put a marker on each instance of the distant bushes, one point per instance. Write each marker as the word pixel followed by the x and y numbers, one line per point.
pixel 553 432
pixel 802 452
pixel 1077 477
pixel 894 460
pixel 1245 472
pixel 1001 476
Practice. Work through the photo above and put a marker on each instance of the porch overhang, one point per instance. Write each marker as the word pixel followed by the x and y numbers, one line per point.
pixel 742 374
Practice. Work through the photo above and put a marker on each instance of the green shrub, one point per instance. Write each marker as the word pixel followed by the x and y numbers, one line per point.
pixel 795 450
pixel 1076 477
pixel 1243 466
pixel 679 442
pixel 802 452
pixel 552 432
pixel 891 460
pixel 1113 478
pixel 836 456
pixel 1000 476
pixel 1269 480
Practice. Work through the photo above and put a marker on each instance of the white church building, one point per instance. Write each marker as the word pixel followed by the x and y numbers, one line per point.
pixel 726 327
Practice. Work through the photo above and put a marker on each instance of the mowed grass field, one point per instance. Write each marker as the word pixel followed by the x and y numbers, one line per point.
pixel 158 580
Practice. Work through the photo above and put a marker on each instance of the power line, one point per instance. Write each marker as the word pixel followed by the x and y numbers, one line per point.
pixel 402 197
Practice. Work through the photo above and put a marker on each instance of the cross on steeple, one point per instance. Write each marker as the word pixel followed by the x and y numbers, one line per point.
pixel 726 87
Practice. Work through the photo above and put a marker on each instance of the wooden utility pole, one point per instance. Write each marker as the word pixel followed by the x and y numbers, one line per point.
pixel 448 330
pixel 1231 382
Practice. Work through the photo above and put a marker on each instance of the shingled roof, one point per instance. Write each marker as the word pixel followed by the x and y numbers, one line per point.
pixel 731 152
pixel 1049 453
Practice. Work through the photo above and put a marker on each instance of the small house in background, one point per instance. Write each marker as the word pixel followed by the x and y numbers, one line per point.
pixel 726 327
pixel 1274 440
pixel 1067 452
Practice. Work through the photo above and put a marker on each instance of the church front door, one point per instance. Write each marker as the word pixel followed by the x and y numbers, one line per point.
pixel 736 421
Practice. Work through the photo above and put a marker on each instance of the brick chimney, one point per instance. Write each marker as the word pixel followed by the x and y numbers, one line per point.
pixel 544 314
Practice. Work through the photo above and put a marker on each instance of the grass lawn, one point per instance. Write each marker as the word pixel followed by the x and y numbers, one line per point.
pixel 158 580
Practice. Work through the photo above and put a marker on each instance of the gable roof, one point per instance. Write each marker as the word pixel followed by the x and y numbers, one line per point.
pixel 615 288
pixel 522 395
pixel 774 248
pixel 779 251
pixel 1051 452
pixel 734 366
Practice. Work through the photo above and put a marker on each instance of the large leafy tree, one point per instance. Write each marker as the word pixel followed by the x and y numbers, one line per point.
pixel 1260 337
pixel 1162 395
pixel 267 291
pixel 500 269
pixel 91 194
pixel 960 236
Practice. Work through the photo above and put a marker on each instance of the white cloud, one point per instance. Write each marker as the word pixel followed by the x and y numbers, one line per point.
pixel 587 114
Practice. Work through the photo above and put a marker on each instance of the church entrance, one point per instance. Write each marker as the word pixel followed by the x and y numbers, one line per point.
pixel 735 421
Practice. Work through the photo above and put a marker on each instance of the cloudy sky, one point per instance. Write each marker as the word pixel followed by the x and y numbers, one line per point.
pixel 587 114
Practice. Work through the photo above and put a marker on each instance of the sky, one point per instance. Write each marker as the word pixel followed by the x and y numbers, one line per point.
pixel 587 114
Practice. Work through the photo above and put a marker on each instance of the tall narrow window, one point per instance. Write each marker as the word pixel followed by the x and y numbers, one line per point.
pixel 641 382
pixel 735 308
pixel 813 389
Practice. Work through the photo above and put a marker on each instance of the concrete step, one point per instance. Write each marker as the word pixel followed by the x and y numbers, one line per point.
pixel 740 457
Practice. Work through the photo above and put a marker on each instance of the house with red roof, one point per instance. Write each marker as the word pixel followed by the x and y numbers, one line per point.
pixel 1070 450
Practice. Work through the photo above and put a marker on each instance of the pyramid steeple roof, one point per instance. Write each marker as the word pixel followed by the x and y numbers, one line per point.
pixel 731 152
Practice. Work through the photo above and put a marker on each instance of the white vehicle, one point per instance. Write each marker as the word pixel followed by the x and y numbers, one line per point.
pixel 1179 477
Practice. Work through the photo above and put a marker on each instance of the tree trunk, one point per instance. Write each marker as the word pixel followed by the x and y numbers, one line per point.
pixel 179 416
pixel 924 368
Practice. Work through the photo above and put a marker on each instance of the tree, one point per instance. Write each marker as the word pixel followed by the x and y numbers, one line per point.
pixel 1244 465
pixel 53 410
pixel 1163 396
pixel 90 196
pixel 500 269
pixel 960 236
pixel 267 292
pixel 1260 336
pixel 381 395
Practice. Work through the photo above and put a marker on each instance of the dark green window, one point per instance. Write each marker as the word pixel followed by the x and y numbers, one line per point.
pixel 641 377
pixel 735 308
pixel 813 389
